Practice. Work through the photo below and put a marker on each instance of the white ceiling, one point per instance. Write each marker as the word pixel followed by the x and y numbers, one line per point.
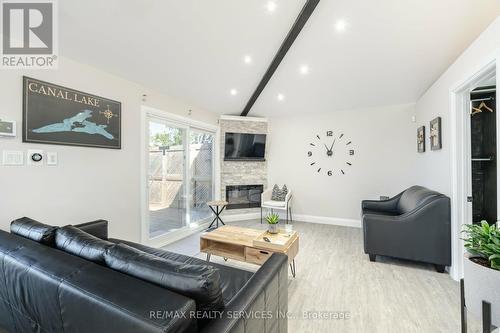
pixel 390 52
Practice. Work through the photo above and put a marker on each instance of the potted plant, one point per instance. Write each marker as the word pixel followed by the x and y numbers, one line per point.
pixel 273 220
pixel 482 268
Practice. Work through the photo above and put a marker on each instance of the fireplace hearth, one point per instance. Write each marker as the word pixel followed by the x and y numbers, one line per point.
pixel 243 196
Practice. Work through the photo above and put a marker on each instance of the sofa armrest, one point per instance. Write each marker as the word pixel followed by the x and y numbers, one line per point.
pixel 261 305
pixel 97 228
pixel 389 205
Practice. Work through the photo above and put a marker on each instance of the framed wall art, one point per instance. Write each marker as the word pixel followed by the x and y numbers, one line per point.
pixel 421 139
pixel 54 114
pixel 435 133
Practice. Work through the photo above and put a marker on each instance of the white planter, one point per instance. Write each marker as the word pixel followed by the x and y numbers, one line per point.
pixel 481 284
pixel 272 228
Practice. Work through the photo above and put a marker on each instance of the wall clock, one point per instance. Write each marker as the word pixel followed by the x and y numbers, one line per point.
pixel 330 154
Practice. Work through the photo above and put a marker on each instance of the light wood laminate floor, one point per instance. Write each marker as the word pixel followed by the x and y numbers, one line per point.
pixel 335 277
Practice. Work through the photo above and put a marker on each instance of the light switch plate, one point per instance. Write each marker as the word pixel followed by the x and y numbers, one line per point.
pixel 11 157
pixel 32 157
pixel 52 158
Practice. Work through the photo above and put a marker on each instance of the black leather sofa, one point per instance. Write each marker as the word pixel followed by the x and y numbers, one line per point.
pixel 414 225
pixel 59 280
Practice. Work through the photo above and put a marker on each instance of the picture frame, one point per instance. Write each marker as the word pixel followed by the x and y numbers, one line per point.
pixel 53 114
pixel 421 139
pixel 435 134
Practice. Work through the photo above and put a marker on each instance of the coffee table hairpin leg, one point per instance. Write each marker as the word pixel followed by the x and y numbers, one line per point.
pixel 292 267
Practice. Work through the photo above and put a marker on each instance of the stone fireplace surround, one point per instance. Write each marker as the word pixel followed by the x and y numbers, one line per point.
pixel 242 172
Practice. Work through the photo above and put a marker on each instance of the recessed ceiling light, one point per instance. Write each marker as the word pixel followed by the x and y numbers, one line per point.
pixel 304 69
pixel 271 6
pixel 280 97
pixel 233 92
pixel 340 25
pixel 247 59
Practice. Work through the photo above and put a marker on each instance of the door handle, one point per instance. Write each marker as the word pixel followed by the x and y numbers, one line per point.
pixel 469 198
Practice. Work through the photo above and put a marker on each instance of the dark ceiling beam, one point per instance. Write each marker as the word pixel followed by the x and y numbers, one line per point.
pixel 299 23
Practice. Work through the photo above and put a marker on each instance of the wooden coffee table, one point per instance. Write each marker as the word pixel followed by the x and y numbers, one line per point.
pixel 248 245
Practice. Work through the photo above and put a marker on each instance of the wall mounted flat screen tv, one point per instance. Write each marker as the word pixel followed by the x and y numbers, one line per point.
pixel 244 146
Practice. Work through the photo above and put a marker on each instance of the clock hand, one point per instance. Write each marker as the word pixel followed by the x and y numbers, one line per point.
pixel 326 147
pixel 332 144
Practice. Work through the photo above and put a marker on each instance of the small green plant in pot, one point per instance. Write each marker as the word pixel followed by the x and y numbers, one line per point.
pixel 483 243
pixel 482 268
pixel 272 221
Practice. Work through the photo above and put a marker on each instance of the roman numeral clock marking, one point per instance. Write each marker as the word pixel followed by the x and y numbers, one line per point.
pixel 333 154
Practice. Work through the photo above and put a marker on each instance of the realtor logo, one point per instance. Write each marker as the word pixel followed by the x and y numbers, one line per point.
pixel 28 34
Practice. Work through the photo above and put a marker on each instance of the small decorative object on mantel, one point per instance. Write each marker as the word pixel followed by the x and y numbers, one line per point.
pixel 54 114
pixel 421 139
pixel 272 221
pixel 479 290
pixel 435 133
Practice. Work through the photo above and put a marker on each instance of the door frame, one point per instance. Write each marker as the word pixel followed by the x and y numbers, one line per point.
pixel 184 122
pixel 461 183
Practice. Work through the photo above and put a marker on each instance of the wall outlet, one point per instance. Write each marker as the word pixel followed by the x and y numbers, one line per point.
pixel 10 157
pixel 35 157
pixel 52 158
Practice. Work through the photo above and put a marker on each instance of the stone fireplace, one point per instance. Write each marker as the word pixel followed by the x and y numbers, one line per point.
pixel 242 173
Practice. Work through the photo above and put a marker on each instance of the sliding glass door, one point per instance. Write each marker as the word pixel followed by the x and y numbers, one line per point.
pixel 167 153
pixel 180 163
pixel 201 166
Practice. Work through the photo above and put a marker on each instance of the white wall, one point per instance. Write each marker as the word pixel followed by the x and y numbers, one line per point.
pixel 88 183
pixel 384 140
pixel 434 167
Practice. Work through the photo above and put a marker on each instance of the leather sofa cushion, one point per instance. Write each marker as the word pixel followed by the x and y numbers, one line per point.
pixel 79 243
pixel 232 279
pixel 34 230
pixel 198 282
pixel 50 291
pixel 414 197
pixel 97 228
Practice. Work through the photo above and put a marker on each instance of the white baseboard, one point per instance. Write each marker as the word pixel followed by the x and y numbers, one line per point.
pixel 298 217
pixel 240 217
pixel 328 220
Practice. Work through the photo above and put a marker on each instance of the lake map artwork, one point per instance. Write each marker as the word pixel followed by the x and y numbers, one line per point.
pixel 57 115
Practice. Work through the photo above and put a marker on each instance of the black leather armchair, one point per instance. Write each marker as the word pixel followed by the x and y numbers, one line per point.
pixel 413 225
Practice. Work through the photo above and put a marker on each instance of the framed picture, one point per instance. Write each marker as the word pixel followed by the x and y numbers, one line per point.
pixel 435 133
pixel 58 115
pixel 421 139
